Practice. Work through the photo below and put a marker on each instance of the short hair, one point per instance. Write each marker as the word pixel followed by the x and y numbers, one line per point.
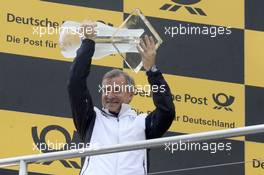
pixel 116 73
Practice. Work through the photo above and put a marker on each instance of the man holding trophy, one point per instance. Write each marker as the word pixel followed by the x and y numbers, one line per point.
pixel 116 122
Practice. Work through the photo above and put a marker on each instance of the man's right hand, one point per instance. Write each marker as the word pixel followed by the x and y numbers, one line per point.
pixel 87 29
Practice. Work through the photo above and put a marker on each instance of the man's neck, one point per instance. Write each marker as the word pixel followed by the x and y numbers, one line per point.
pixel 114 113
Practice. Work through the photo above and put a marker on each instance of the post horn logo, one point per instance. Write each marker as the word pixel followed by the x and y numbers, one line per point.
pixel 187 4
pixel 226 103
pixel 41 139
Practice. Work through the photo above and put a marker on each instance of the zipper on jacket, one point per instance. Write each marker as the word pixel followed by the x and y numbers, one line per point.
pixel 144 166
pixel 117 119
pixel 88 159
pixel 117 130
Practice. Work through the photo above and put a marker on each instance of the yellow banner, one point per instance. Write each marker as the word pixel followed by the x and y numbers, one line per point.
pixel 26 133
pixel 25 31
pixel 201 105
pixel 223 13
pixel 254 55
pixel 254 158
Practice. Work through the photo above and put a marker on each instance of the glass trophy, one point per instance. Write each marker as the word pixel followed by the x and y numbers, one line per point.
pixel 137 26
pixel 110 40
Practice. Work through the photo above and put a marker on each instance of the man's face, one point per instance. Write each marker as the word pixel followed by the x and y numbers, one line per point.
pixel 115 93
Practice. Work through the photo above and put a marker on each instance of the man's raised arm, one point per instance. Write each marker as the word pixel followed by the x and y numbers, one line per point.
pixel 159 120
pixel 80 98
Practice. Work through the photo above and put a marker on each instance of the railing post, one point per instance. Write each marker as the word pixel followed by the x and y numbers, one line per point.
pixel 23 168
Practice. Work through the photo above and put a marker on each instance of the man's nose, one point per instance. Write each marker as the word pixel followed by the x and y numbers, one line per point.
pixel 110 95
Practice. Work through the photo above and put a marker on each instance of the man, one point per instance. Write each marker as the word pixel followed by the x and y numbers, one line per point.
pixel 116 123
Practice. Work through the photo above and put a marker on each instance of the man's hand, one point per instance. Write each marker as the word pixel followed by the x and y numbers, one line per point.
pixel 87 29
pixel 147 51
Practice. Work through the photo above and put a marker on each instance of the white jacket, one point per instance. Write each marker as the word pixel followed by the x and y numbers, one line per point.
pixel 111 130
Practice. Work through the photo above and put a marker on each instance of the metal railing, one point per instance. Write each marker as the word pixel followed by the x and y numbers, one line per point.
pixel 23 161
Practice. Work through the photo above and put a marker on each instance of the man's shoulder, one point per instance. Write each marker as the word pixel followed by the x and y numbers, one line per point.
pixel 135 114
pixel 96 109
pixel 142 115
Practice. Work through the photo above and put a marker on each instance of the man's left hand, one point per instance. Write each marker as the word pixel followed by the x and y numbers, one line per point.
pixel 147 51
